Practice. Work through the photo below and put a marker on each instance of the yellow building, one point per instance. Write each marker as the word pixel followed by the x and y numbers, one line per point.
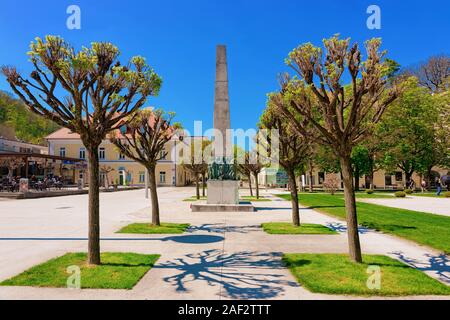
pixel 381 179
pixel 125 171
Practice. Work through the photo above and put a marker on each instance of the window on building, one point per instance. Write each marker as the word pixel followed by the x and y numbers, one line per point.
pixel 82 154
pixel 141 176
pixel 388 180
pixel 123 129
pixel 162 177
pixel 398 176
pixel 101 153
pixel 321 177
pixel 121 156
pixel 62 152
pixel 163 154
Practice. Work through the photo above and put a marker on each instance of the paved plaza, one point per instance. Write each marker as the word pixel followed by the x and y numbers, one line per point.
pixel 423 204
pixel 223 256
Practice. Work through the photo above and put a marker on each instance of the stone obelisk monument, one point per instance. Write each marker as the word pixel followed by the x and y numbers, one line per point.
pixel 223 185
pixel 221 103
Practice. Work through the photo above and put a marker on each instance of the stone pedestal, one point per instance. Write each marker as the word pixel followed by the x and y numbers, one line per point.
pixel 223 192
pixel 204 207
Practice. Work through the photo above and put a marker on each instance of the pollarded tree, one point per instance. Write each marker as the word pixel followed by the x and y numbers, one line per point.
pixel 197 163
pixel 294 150
pixel 144 140
pixel 106 170
pixel 88 92
pixel 255 166
pixel 243 165
pixel 342 116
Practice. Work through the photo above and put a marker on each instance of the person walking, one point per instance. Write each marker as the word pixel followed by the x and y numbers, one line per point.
pixel 412 184
pixel 423 185
pixel 438 186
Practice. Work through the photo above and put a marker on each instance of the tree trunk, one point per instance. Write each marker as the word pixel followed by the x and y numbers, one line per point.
pixel 356 178
pixel 408 175
pixel 257 185
pixel 428 176
pixel 153 195
pixel 371 180
pixel 294 198
pixel 94 207
pixel 311 185
pixel 250 184
pixel 350 208
pixel 197 187
pixel 203 185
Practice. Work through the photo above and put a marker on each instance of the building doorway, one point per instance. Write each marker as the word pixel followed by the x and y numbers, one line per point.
pixel 121 177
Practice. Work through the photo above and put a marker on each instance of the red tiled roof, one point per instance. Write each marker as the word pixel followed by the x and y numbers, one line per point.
pixel 67 134
pixel 63 133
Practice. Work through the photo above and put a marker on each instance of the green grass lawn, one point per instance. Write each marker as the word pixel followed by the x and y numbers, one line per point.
pixel 431 195
pixel 424 228
pixel 117 271
pixel 148 228
pixel 359 195
pixel 363 195
pixel 336 274
pixel 289 228
pixel 253 198
pixel 194 198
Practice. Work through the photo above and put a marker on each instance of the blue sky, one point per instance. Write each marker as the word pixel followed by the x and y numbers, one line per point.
pixel 178 38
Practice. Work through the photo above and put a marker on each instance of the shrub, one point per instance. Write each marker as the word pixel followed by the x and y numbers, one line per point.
pixel 331 184
pixel 400 194
pixel 447 194
pixel 408 191
pixel 369 191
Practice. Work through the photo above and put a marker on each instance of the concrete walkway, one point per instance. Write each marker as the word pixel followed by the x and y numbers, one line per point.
pixel 423 204
pixel 224 256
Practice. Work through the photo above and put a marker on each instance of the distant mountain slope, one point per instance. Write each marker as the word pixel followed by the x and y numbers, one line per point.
pixel 17 121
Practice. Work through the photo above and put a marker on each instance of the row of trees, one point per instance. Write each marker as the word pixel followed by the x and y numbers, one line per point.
pixel 351 115
pixel 413 134
pixel 91 93
pixel 248 166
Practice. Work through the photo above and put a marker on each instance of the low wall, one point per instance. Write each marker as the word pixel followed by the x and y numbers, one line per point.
pixel 41 194
pixel 56 193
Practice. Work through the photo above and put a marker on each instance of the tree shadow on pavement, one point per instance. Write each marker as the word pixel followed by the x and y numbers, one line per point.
pixel 241 275
pixel 438 264
pixel 342 228
pixel 222 228
pixel 190 239
pixel 272 208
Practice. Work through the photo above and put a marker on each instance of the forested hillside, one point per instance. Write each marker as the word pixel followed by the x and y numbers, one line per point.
pixel 17 121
